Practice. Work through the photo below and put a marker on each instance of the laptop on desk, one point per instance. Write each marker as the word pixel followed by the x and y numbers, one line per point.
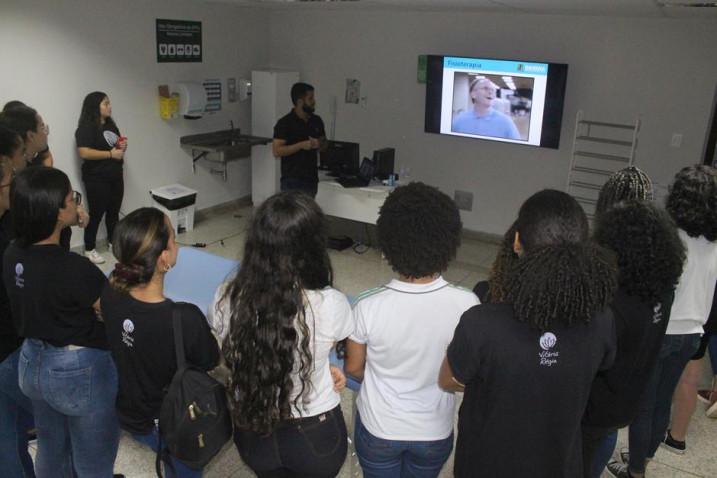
pixel 364 177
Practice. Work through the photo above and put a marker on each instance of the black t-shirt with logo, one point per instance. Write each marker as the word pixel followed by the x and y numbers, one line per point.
pixel 616 392
pixel 9 340
pixel 141 339
pixel 526 392
pixel 292 129
pixel 102 138
pixel 51 293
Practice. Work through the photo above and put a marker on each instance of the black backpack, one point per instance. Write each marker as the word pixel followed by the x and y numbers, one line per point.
pixel 194 421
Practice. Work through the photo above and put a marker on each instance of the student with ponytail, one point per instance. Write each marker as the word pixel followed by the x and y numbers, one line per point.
pixel 527 364
pixel 139 325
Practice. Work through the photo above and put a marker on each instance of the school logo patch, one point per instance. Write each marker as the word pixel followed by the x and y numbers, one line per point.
pixel 111 138
pixel 548 357
pixel 19 280
pixel 127 329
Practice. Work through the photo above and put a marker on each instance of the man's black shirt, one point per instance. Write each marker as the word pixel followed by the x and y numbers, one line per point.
pixel 292 129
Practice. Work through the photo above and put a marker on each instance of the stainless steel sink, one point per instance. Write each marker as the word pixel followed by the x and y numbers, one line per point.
pixel 220 147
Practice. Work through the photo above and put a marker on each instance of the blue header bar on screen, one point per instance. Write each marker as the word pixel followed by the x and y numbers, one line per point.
pixel 503 66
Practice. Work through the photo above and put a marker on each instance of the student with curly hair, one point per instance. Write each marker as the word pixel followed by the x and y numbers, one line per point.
pixel 692 204
pixel 527 364
pixel 283 320
pixel 404 424
pixel 493 289
pixel 140 328
pixel 637 232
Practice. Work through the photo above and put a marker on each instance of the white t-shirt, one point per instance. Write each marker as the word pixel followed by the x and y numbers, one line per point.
pixel 329 319
pixel 694 293
pixel 407 328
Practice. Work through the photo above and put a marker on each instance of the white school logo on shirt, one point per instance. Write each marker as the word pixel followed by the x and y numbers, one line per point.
pixel 657 314
pixel 110 137
pixel 547 341
pixel 19 269
pixel 128 327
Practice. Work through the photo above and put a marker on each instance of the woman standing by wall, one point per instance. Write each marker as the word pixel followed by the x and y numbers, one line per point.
pixel 101 147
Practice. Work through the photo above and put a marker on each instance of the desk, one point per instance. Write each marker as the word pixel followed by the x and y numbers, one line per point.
pixel 357 204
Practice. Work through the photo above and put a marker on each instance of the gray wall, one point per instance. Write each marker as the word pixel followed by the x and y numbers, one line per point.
pixel 663 70
pixel 54 53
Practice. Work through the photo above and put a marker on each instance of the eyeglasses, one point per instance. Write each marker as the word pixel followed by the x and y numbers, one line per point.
pixel 77 197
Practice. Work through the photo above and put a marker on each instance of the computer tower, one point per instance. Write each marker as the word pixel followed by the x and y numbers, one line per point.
pixel 383 159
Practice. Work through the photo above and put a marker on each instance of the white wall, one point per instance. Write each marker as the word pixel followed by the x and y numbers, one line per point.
pixel 663 70
pixel 54 53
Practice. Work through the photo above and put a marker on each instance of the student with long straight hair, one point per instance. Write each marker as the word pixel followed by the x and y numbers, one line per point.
pixel 404 421
pixel 139 325
pixel 283 319
pixel 15 407
pixel 99 145
pixel 64 365
pixel 527 364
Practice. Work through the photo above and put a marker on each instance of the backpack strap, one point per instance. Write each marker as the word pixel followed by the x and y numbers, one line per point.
pixel 178 337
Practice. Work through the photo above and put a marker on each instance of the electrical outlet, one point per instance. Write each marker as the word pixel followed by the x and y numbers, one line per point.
pixel 676 140
pixel 464 200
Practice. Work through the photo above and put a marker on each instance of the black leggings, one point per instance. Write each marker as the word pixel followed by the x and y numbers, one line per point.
pixel 313 447
pixel 104 198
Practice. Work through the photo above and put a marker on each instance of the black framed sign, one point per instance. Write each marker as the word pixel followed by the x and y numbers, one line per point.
pixel 179 41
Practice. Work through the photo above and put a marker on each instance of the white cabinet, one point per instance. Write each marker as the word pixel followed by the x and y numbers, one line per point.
pixel 270 100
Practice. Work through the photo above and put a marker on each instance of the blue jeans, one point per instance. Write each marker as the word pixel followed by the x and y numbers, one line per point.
pixel 180 469
pixel 381 458
pixel 648 428
pixel 73 392
pixel 603 454
pixel 15 421
pixel 296 184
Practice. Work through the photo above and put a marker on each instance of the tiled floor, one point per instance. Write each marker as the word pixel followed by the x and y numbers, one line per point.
pixel 224 234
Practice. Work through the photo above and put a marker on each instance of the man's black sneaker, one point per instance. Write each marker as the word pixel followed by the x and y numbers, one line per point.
pixel 618 470
pixel 675 446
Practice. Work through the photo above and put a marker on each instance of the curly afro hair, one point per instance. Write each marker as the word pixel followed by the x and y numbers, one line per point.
pixel 505 260
pixel 561 276
pixel 628 183
pixel 419 230
pixel 692 201
pixel 650 254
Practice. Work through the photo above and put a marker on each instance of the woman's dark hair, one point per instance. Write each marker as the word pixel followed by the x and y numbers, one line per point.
pixel 138 241
pixel 628 183
pixel 562 276
pixel 20 118
pixel 504 262
pixel 649 252
pixel 90 115
pixel 284 255
pixel 419 230
pixel 10 141
pixel 692 201
pixel 36 196
pixel 12 104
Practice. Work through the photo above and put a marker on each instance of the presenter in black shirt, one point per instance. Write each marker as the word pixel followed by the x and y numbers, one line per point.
pixel 298 136
pixel 64 365
pixel 102 148
pixel 139 325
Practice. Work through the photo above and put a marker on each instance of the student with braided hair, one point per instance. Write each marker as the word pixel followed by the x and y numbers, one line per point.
pixel 692 204
pixel 527 364
pixel 139 325
pixel 628 183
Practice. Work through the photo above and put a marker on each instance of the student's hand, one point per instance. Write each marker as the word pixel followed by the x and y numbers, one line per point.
pixel 82 217
pixel 117 154
pixel 306 145
pixel 338 377
pixel 123 145
pixel 315 143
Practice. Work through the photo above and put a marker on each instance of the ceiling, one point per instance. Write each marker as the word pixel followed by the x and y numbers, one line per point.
pixel 627 8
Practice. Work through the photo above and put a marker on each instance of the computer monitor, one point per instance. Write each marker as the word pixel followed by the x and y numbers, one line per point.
pixel 340 157
pixel 383 159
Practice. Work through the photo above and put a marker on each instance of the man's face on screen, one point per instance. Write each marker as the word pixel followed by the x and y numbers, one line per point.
pixel 483 93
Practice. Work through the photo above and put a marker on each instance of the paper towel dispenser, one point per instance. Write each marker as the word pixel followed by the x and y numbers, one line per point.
pixel 192 98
